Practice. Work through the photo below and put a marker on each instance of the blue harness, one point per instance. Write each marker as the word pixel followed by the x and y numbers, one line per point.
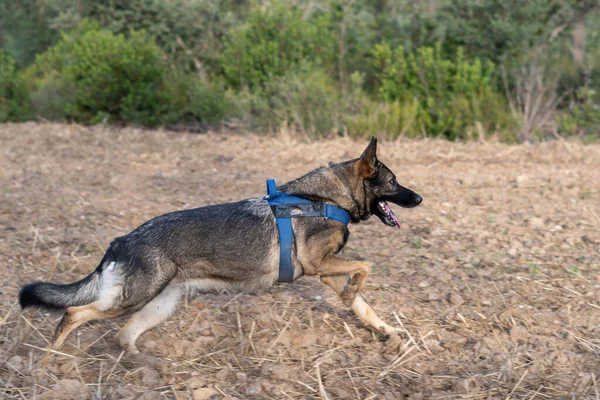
pixel 285 208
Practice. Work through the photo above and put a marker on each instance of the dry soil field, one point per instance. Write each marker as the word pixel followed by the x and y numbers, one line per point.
pixel 494 278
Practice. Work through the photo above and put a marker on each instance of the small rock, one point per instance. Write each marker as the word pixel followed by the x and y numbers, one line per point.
pixel 68 389
pixel 536 223
pixel 151 396
pixel 389 396
pixel 424 284
pixel 456 299
pixel 513 252
pixel 241 377
pixel 205 394
pixel 222 374
pixel 242 175
pixel 121 392
pixel 434 345
pixel 16 362
pixel 151 378
pixel 197 382
pixel 435 295
pixel 519 333
pixel 222 159
pixel 253 389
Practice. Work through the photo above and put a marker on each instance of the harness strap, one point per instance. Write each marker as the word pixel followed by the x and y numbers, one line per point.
pixel 286 264
pixel 286 207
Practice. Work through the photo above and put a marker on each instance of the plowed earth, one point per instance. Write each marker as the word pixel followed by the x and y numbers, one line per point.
pixel 494 278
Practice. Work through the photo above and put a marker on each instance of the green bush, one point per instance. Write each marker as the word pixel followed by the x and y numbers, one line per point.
pixel 25 27
pixel 305 100
pixel 49 93
pixel 451 95
pixel 14 101
pixel 384 119
pixel 112 78
pixel 274 41
pixel 195 101
pixel 207 102
pixel 583 119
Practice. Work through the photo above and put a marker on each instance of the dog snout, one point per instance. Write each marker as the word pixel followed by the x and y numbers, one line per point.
pixel 417 199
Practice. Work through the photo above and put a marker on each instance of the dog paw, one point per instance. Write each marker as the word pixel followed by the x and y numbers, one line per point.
pixel 393 344
pixel 349 294
pixel 126 345
pixel 389 330
pixel 131 350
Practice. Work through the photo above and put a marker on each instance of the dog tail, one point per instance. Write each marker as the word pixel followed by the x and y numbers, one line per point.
pixel 57 297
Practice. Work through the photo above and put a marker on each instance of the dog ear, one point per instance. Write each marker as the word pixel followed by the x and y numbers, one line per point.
pixel 368 160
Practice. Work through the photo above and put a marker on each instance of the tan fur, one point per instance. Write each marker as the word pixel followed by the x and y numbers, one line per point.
pixel 359 306
pixel 74 317
pixel 317 257
pixel 153 313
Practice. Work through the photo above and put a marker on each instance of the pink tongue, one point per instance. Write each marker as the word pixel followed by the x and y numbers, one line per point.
pixel 389 211
pixel 395 218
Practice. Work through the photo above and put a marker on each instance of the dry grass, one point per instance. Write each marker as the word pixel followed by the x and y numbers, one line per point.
pixel 494 279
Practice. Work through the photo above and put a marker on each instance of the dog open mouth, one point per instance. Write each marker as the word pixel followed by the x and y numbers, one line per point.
pixel 386 215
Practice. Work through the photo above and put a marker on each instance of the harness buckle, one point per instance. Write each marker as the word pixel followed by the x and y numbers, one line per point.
pixel 298 210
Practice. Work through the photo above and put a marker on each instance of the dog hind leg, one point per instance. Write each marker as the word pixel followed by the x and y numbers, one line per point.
pixel 152 314
pixel 74 317
pixel 359 306
pixel 121 293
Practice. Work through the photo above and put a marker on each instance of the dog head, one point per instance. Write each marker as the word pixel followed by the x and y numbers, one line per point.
pixel 362 186
pixel 379 186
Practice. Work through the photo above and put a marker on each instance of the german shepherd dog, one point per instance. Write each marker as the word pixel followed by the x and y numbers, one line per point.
pixel 232 246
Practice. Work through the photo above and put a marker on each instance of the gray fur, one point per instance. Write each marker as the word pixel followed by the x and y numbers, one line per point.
pixel 233 246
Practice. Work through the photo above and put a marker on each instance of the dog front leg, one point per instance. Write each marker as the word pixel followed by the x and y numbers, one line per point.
pixel 359 306
pixel 358 270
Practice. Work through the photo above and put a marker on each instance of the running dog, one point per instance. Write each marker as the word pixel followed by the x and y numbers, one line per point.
pixel 232 246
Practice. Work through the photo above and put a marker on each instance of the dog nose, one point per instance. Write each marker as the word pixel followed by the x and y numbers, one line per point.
pixel 418 199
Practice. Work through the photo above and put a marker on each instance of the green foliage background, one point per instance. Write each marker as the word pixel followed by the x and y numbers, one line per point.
pixel 457 69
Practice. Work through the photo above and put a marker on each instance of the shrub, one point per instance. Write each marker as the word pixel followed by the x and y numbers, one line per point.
pixel 451 95
pixel 113 78
pixel 190 31
pixel 25 27
pixel 207 101
pixel 14 102
pixel 302 100
pixel 384 119
pixel 583 119
pixel 194 100
pixel 274 41
pixel 305 100
pixel 48 93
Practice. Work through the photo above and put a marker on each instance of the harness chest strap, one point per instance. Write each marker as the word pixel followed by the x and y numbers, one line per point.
pixel 286 207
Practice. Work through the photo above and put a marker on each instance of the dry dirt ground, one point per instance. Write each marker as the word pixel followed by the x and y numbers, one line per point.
pixel 494 278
